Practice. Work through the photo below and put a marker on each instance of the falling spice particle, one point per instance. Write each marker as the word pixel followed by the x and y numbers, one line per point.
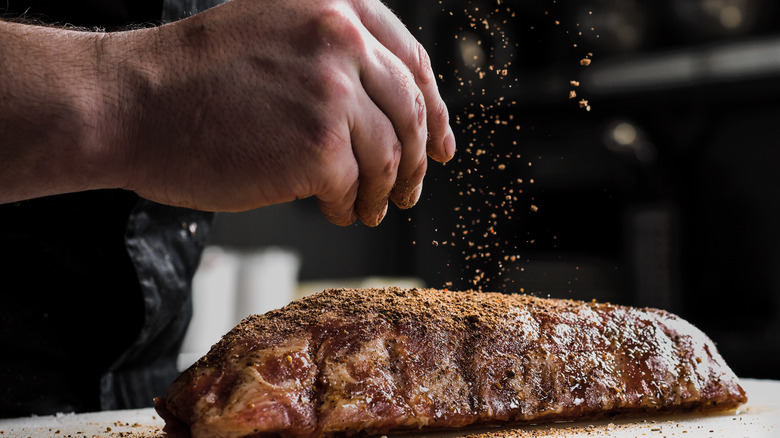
pixel 484 237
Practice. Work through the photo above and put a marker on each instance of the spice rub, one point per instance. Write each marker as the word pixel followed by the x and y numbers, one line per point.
pixel 381 360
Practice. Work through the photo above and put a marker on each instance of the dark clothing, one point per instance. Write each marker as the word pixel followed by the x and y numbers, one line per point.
pixel 86 13
pixel 94 286
pixel 96 300
pixel 108 14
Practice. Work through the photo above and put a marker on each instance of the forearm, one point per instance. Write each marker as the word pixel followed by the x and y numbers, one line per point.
pixel 56 129
pixel 248 104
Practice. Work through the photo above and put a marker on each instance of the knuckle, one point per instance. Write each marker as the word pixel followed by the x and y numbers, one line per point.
pixel 329 85
pixel 439 119
pixel 420 112
pixel 415 125
pixel 334 85
pixel 327 145
pixel 338 27
pixel 415 115
pixel 418 173
pixel 323 144
pixel 441 112
pixel 424 66
pixel 392 160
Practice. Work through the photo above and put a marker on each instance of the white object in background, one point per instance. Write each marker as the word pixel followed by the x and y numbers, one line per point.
pixel 268 280
pixel 213 303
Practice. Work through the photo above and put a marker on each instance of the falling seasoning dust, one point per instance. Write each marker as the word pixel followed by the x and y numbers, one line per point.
pixel 487 252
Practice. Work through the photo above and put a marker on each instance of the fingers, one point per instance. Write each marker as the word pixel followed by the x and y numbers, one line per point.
pixel 395 118
pixel 379 165
pixel 340 210
pixel 361 178
pixel 391 33
pixel 393 89
pixel 378 152
pixel 340 173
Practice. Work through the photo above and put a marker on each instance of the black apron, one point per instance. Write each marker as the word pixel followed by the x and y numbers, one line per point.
pixel 95 286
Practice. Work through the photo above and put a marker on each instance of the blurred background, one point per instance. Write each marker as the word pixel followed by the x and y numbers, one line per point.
pixel 618 150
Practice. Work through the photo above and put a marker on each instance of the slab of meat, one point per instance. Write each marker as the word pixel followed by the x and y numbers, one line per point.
pixel 381 360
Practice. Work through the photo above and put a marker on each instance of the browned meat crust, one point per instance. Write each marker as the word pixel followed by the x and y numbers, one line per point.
pixel 380 360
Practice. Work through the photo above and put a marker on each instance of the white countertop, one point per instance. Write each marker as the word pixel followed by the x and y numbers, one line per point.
pixel 759 418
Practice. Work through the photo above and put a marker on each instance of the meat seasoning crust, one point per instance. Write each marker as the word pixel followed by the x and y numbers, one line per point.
pixel 381 360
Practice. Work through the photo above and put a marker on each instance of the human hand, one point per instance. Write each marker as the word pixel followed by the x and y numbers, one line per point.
pixel 255 103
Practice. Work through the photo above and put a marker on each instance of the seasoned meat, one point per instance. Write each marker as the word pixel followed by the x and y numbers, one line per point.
pixel 381 360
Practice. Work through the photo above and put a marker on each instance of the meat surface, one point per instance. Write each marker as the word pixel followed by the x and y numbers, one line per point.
pixel 382 360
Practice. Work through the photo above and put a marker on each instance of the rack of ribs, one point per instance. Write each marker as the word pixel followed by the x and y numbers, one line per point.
pixel 374 361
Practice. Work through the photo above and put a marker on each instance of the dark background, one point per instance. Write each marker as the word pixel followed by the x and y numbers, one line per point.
pixel 666 193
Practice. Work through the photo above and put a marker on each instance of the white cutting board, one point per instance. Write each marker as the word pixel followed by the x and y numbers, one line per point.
pixel 759 418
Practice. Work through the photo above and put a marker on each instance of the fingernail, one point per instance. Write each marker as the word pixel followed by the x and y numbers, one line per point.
pixel 381 215
pixel 409 200
pixel 449 144
pixel 415 195
pixel 371 220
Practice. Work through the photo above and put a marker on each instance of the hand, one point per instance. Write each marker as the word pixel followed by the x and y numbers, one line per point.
pixel 255 103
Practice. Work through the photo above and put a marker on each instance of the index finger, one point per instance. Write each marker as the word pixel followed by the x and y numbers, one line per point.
pixel 388 29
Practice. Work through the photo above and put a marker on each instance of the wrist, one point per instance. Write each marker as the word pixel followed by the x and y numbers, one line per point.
pixel 115 108
pixel 60 113
pixel 133 111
